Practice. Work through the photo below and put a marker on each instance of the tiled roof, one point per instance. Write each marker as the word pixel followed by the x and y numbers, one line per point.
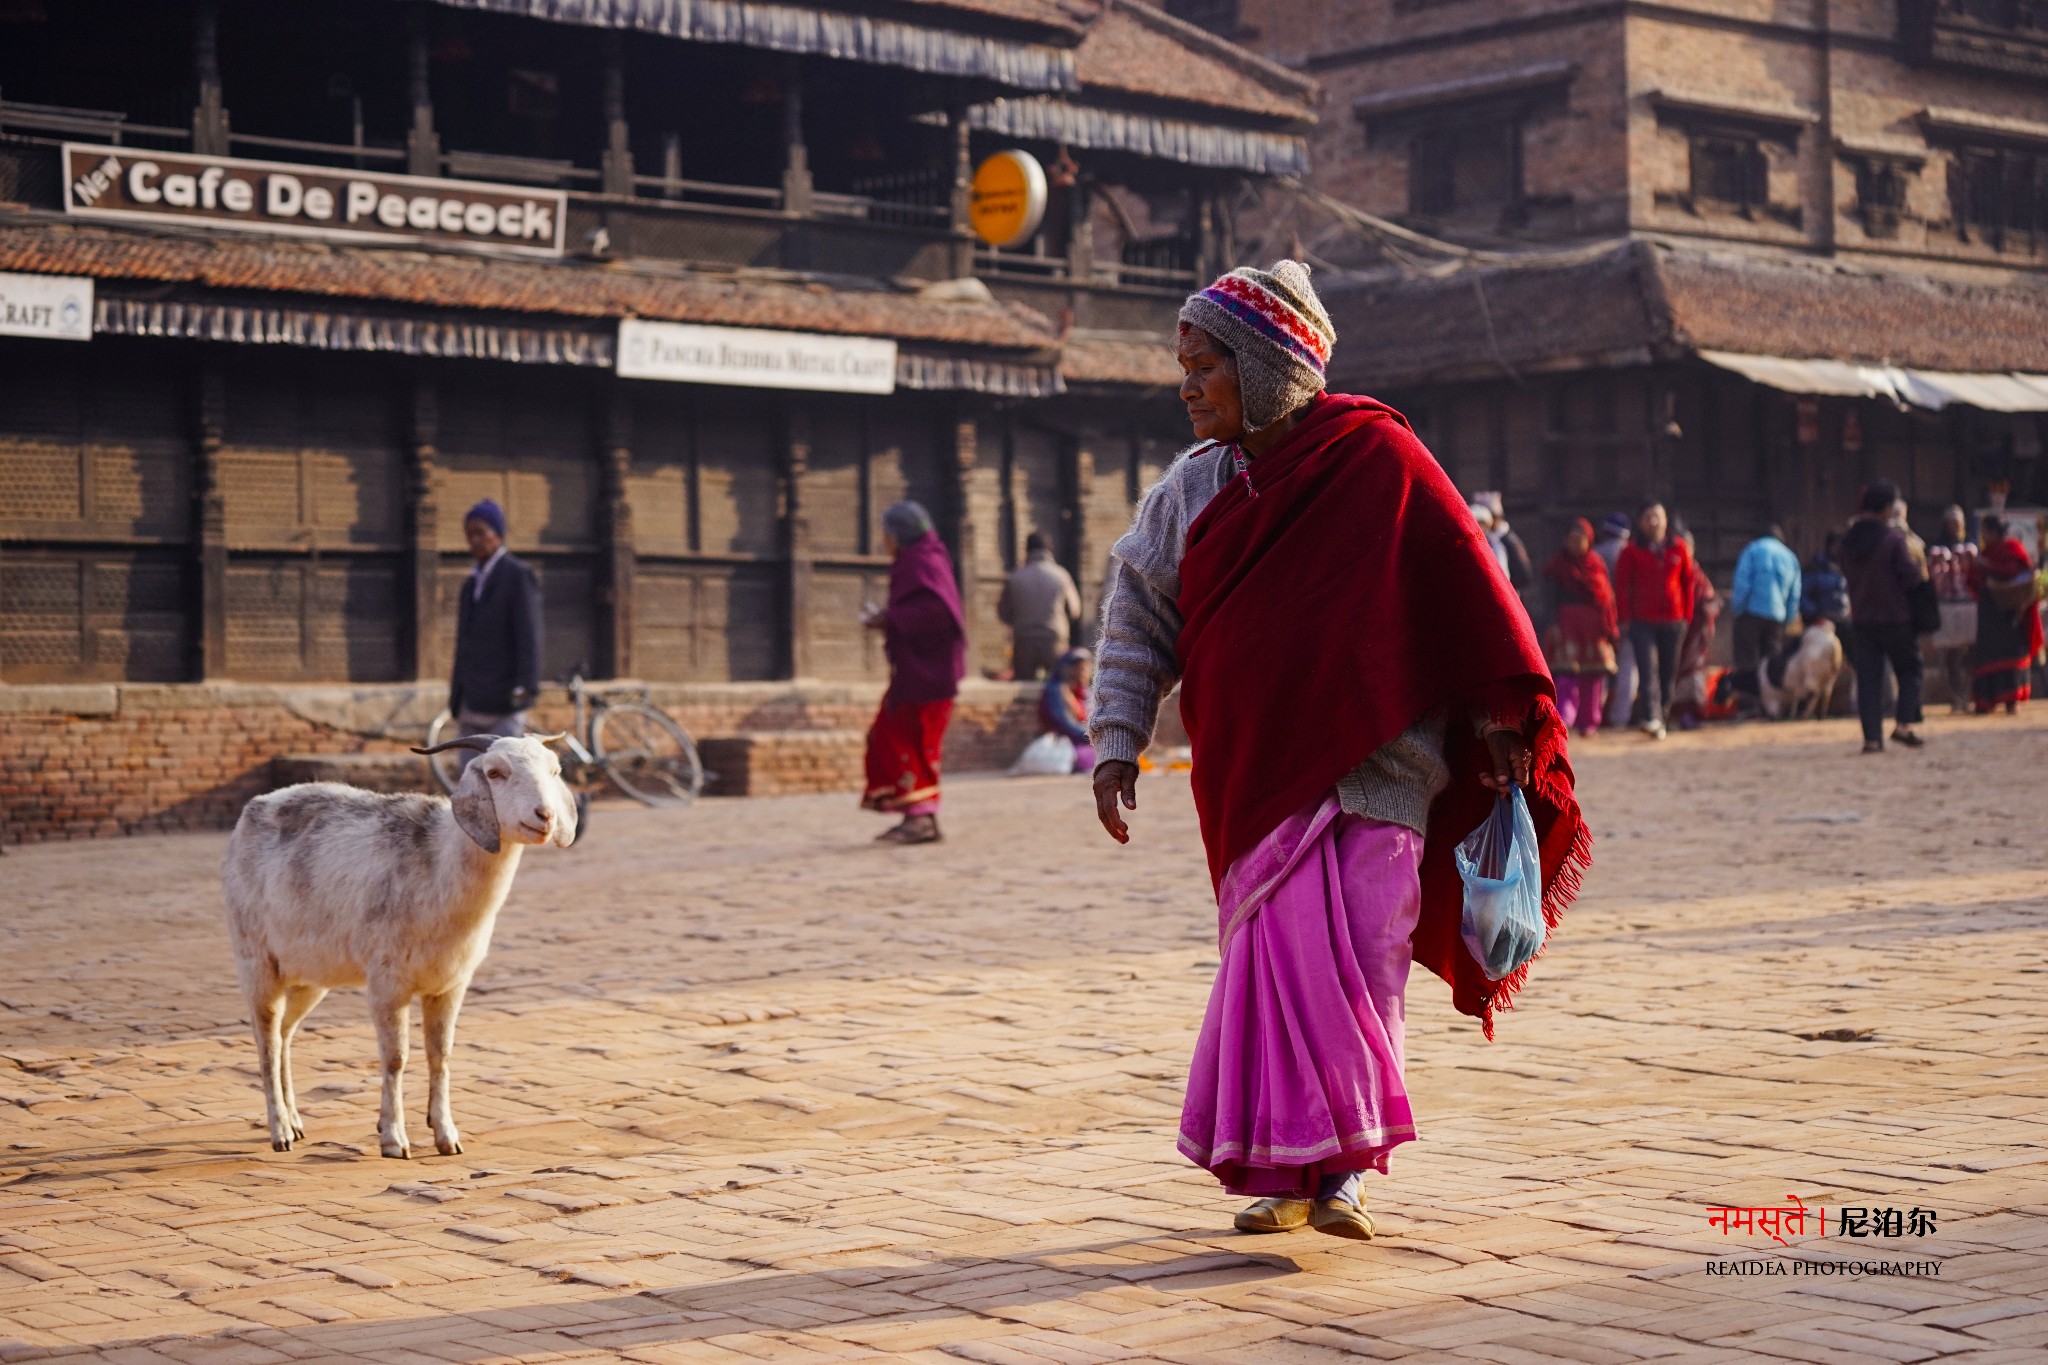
pixel 568 289
pixel 1134 49
pixel 1119 358
pixel 1068 15
pixel 1649 300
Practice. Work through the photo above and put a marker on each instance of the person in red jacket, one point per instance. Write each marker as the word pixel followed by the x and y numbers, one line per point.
pixel 1653 590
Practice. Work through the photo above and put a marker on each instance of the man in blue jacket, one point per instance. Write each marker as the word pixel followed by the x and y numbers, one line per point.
pixel 497 633
pixel 1766 597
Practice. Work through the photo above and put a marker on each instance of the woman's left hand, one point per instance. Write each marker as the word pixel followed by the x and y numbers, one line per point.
pixel 1511 760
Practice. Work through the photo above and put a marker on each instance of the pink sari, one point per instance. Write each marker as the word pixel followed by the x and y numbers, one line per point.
pixel 1297 1073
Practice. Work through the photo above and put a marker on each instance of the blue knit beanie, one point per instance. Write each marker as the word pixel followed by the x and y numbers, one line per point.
pixel 489 513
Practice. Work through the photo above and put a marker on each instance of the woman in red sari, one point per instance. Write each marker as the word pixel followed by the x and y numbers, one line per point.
pixel 1359 684
pixel 925 636
pixel 1583 628
pixel 2008 637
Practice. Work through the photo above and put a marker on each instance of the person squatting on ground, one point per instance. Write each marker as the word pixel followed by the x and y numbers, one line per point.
pixel 1692 684
pixel 1765 598
pixel 1358 682
pixel 496 676
pixel 1063 705
pixel 1653 591
pixel 1039 604
pixel 924 635
pixel 2008 620
pixel 1877 560
pixel 1583 628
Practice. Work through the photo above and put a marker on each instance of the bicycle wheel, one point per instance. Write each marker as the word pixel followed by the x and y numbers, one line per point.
pixel 648 756
pixel 445 767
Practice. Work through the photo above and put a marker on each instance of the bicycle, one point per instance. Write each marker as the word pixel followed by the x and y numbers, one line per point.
pixel 631 743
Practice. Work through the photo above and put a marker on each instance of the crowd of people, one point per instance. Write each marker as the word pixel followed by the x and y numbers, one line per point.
pixel 1630 617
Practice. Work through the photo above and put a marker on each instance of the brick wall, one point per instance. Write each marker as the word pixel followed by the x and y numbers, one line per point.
pixel 80 762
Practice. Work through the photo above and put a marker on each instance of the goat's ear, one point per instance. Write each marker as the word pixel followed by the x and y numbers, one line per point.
pixel 475 812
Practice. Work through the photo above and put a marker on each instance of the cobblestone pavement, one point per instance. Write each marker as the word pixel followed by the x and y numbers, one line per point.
pixel 740 1086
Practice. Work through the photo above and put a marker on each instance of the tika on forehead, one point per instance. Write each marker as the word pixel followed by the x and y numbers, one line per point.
pixel 1272 321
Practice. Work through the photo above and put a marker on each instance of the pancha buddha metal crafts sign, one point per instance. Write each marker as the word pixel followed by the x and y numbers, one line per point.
pixel 316 201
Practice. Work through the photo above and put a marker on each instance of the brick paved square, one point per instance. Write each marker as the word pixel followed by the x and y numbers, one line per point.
pixel 739 1086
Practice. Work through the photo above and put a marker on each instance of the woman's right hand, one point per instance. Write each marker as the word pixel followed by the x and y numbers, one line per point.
pixel 1115 780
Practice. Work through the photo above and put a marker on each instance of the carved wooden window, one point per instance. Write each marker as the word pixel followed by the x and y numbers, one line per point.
pixel 1881 184
pixel 1466 170
pixel 1729 170
pixel 1999 196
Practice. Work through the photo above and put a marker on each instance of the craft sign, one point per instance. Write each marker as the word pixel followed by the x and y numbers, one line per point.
pixel 752 358
pixel 315 201
pixel 53 307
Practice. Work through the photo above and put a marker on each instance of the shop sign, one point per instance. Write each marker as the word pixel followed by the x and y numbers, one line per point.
pixel 1006 202
pixel 750 358
pixel 53 307
pixel 313 201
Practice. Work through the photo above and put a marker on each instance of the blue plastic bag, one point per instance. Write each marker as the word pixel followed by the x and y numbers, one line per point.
pixel 1503 920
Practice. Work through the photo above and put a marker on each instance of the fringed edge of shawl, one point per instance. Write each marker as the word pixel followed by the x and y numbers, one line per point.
pixel 1562 887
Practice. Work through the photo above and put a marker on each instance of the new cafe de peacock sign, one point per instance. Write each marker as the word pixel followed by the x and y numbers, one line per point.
pixel 317 201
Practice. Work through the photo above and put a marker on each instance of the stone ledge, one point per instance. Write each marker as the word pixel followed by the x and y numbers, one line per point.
pixel 59 699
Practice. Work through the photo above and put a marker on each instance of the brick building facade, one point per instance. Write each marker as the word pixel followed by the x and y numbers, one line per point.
pixel 1749 255
pixel 354 267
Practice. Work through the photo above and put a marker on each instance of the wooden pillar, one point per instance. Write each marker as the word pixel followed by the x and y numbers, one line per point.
pixel 422 143
pixel 209 118
pixel 424 522
pixel 965 532
pixel 796 171
pixel 963 195
pixel 620 559
pixel 1081 231
pixel 211 543
pixel 618 152
pixel 796 530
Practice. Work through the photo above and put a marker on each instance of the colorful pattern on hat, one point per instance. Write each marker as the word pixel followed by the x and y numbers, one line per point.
pixel 1241 295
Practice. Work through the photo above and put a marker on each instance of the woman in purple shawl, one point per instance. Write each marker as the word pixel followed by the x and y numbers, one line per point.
pixel 925 636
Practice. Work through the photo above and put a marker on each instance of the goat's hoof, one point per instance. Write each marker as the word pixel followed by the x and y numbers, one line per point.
pixel 282 1144
pixel 397 1151
pixel 448 1147
pixel 298 1133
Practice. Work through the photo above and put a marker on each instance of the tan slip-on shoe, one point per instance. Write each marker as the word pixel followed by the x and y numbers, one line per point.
pixel 1273 1215
pixel 1342 1219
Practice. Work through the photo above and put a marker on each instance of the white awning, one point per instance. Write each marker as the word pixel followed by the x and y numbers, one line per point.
pixel 1930 389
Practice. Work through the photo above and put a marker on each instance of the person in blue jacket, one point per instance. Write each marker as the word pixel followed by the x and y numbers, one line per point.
pixel 1063 705
pixel 1766 597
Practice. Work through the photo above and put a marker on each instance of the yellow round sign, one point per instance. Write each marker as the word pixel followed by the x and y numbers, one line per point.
pixel 1007 200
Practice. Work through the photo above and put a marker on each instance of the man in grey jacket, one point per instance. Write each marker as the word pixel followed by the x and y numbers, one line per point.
pixel 1039 604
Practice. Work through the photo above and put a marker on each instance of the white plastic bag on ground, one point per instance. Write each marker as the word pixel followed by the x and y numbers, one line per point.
pixel 1503 875
pixel 1049 755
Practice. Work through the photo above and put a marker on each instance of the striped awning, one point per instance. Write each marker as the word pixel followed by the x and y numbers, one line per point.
pixel 344 330
pixel 815 33
pixel 1044 119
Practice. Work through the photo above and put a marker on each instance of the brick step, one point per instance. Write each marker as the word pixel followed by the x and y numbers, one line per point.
pixel 372 772
pixel 784 762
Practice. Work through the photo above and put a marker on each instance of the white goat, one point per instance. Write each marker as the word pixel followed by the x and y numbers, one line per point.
pixel 329 886
pixel 1809 678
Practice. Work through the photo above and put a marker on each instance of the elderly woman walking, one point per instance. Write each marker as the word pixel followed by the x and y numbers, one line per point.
pixel 925 637
pixel 2008 620
pixel 1359 683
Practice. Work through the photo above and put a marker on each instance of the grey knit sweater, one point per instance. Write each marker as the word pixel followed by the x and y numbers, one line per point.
pixel 1136 663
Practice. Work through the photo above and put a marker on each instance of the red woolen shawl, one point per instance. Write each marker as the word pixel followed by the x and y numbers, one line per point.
pixel 1333 598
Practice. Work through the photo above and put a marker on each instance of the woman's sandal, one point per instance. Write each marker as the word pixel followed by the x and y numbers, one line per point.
pixel 1273 1215
pixel 912 832
pixel 1909 738
pixel 1341 1218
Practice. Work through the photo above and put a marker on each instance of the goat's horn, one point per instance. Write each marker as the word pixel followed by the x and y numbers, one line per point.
pixel 480 743
pixel 556 738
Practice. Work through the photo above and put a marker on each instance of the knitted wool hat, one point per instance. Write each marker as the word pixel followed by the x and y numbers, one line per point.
pixel 489 513
pixel 906 521
pixel 1275 325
